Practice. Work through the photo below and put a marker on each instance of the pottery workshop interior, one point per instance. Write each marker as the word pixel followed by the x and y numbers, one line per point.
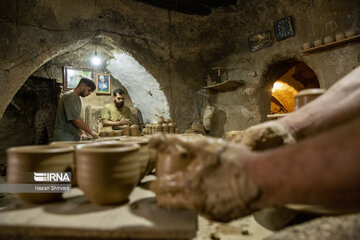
pixel 214 89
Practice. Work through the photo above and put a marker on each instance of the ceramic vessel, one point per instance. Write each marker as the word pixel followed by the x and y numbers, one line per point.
pixel 318 43
pixel 157 128
pixel 306 96
pixel 126 130
pixel 329 39
pixel 171 128
pixel 108 172
pixel 37 158
pixel 307 45
pixel 134 130
pixel 160 119
pixel 165 128
pixel 102 134
pixel 350 33
pixel 118 132
pixel 146 155
pixel 339 36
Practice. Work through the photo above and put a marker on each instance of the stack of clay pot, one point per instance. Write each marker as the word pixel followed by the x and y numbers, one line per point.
pixel 23 161
pixel 108 172
pixel 134 130
pixel 162 126
pixel 126 130
pixel 329 39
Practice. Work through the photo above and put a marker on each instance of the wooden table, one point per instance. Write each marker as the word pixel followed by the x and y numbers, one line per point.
pixel 77 218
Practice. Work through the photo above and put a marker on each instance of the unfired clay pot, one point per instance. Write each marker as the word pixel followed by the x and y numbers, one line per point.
pixel 171 128
pixel 108 172
pixel 22 161
pixel 102 134
pixel 318 43
pixel 146 155
pixel 110 133
pixel 339 36
pixel 160 120
pixel 165 128
pixel 134 130
pixel 350 33
pixel 307 45
pixel 118 132
pixel 126 130
pixel 329 39
pixel 306 96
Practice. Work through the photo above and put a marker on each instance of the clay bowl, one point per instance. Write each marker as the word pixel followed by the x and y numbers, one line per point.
pixel 38 158
pixel 350 33
pixel 146 155
pixel 72 144
pixel 107 172
pixel 329 39
pixel 306 96
pixel 307 45
pixel 339 36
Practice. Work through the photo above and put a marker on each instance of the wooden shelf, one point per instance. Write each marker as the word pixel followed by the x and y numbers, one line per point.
pixel 328 45
pixel 226 86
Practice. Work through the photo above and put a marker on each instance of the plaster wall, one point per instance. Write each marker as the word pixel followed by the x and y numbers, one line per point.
pixel 178 50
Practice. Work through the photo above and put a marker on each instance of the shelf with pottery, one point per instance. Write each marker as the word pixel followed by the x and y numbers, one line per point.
pixel 331 44
pixel 226 85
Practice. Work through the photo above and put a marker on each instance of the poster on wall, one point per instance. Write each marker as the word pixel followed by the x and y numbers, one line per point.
pixel 259 41
pixel 103 83
pixel 72 76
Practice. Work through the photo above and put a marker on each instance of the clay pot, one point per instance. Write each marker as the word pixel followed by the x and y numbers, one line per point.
pixel 318 43
pixel 177 131
pixel 167 120
pixel 329 39
pixel 306 96
pixel 350 33
pixel 118 132
pixel 146 155
pixel 160 120
pixel 107 173
pixel 157 128
pixel 111 133
pixel 339 36
pixel 72 144
pixel 307 45
pixel 171 128
pixel 102 134
pixel 38 158
pixel 134 130
pixel 165 128
pixel 126 130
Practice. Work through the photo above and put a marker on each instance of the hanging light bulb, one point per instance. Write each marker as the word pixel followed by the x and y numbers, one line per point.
pixel 96 60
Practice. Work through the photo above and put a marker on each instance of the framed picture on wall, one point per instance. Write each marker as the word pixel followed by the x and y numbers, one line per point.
pixel 72 76
pixel 259 41
pixel 103 83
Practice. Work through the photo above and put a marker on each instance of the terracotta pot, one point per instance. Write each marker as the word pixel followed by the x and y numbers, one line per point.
pixel 157 128
pixel 318 43
pixel 110 133
pixel 72 144
pixel 306 96
pixel 339 36
pixel 102 134
pixel 134 130
pixel 38 158
pixel 171 128
pixel 107 173
pixel 350 33
pixel 160 120
pixel 329 39
pixel 147 156
pixel 118 132
pixel 307 45
pixel 165 128
pixel 126 130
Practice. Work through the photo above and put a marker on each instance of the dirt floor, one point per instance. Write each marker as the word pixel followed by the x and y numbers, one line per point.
pixel 245 228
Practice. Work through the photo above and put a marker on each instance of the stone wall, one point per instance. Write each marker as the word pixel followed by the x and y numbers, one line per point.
pixel 178 50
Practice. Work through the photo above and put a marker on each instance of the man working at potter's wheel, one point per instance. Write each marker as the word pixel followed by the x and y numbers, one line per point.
pixel 116 114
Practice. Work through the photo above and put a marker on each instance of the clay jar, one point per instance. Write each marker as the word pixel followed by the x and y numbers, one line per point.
pixel 22 161
pixel 118 132
pixel 318 43
pixel 171 128
pixel 160 120
pixel 107 172
pixel 339 36
pixel 165 128
pixel 306 96
pixel 146 156
pixel 102 134
pixel 126 130
pixel 157 128
pixel 328 39
pixel 134 130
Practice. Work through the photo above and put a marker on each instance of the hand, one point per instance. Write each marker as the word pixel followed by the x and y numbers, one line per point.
pixel 215 183
pixel 94 134
pixel 124 121
pixel 267 135
pixel 83 137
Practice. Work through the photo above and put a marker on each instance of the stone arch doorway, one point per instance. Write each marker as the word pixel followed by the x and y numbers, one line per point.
pixel 282 80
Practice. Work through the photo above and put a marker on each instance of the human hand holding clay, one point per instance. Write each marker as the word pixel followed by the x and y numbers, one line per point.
pixel 338 105
pixel 214 183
